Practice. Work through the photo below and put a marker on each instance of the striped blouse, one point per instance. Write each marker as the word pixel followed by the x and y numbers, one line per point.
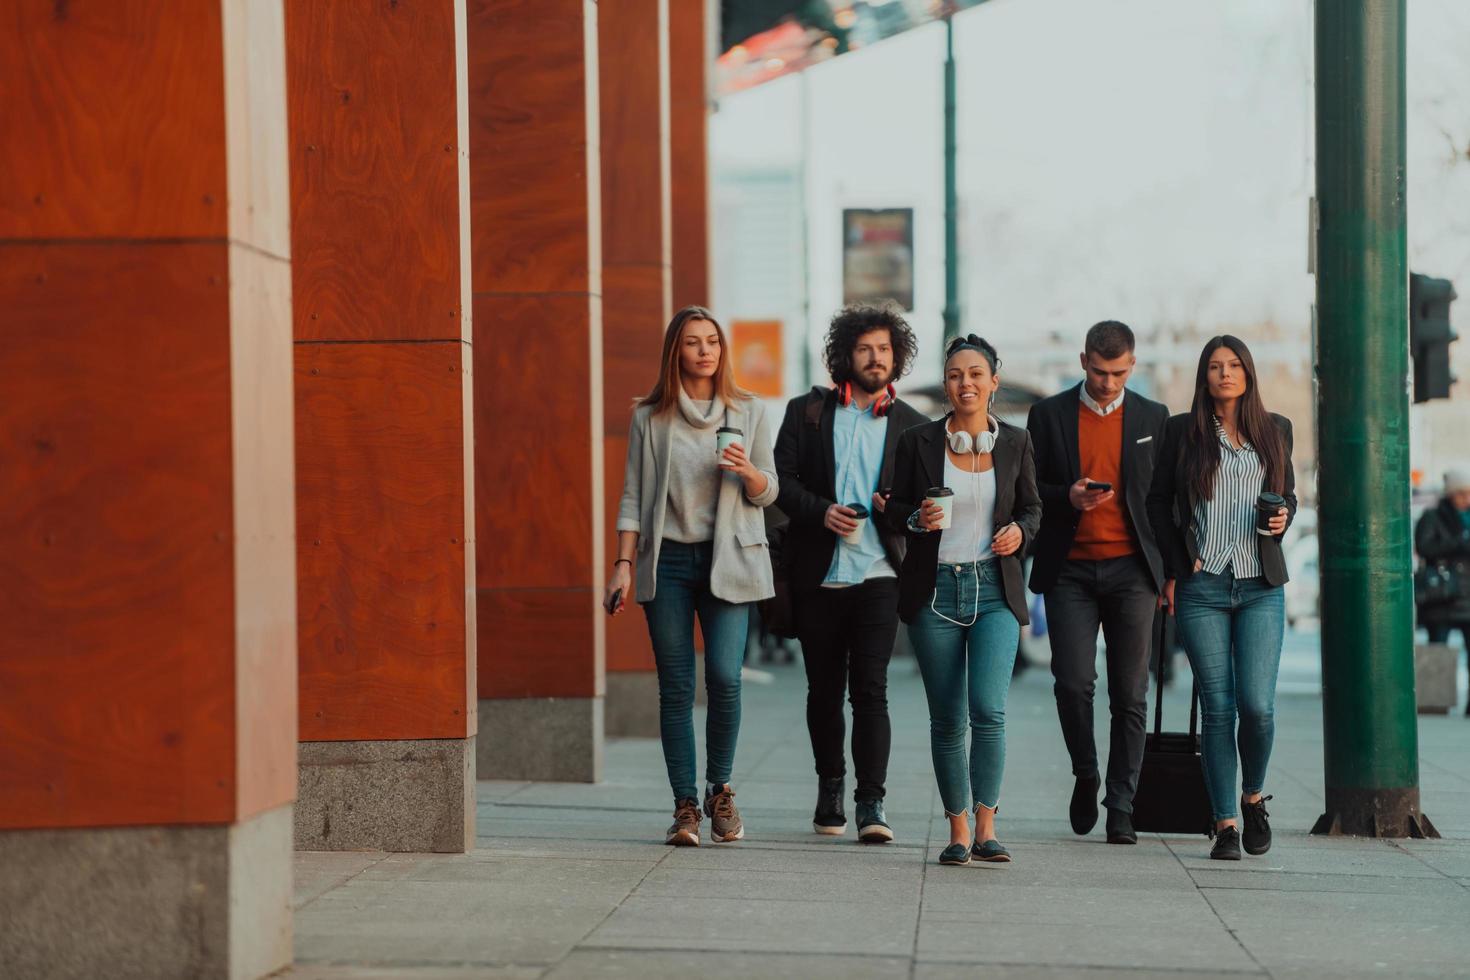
pixel 1225 525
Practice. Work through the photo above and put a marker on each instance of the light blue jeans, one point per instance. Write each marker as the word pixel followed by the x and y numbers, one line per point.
pixel 967 675
pixel 1232 630
pixel 683 589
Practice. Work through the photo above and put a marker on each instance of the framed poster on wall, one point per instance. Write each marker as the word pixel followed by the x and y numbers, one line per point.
pixel 878 256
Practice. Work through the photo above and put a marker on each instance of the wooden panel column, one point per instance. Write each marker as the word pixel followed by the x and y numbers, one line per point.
pixel 148 658
pixel 380 233
pixel 636 269
pixel 691 54
pixel 538 387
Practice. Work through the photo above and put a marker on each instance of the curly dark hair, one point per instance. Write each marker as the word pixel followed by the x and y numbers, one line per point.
pixel 850 323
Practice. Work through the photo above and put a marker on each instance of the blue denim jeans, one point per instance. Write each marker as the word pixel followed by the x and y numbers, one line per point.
pixel 683 590
pixel 967 675
pixel 1232 629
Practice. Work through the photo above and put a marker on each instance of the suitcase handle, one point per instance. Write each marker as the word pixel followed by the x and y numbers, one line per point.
pixel 1161 637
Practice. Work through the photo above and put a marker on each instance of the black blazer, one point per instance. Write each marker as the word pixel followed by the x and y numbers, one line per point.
pixel 919 466
pixel 807 470
pixel 1053 427
pixel 1171 507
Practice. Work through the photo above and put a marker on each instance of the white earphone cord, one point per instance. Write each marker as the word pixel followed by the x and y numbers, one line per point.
pixel 993 431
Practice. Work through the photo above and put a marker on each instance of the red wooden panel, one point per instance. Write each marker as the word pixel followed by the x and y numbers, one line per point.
pixel 538 643
pixel 117 662
pixel 635 312
pixel 380 475
pixel 634 104
pixel 529 133
pixel 689 115
pixel 375 209
pixel 534 421
pixel 113 123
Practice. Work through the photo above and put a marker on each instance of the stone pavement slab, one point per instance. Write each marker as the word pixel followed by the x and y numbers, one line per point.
pixel 573 880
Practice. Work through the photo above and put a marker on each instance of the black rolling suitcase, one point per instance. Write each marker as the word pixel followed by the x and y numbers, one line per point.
pixel 1171 797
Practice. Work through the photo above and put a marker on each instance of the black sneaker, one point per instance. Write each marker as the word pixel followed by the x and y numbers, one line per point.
pixel 1120 828
pixel 872 827
pixel 829 818
pixel 1083 810
pixel 1257 835
pixel 1227 845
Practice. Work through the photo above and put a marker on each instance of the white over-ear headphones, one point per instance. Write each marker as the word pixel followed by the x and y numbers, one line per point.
pixel 961 442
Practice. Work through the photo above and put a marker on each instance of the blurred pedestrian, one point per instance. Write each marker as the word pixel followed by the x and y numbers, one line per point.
pixel 1096 564
pixel 964 489
pixel 834 455
pixel 1223 495
pixel 1442 539
pixel 690 516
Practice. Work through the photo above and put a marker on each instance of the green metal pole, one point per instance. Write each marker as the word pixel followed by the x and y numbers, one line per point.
pixel 951 207
pixel 1370 736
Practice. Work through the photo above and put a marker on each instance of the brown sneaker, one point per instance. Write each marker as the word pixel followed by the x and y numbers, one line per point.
pixel 724 824
pixel 684 831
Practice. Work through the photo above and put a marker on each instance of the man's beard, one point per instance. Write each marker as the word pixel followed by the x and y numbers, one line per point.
pixel 873 383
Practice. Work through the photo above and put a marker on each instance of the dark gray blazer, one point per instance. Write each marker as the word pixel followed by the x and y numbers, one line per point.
pixel 808 472
pixel 919 465
pixel 1053 427
pixel 1171 507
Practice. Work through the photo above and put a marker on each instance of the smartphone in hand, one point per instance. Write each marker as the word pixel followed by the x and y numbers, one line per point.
pixel 1095 485
pixel 613 601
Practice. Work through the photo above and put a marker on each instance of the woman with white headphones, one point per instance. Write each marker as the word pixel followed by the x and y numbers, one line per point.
pixel 961 588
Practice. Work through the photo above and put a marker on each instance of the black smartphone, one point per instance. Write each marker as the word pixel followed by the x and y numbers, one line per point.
pixel 612 601
pixel 1095 485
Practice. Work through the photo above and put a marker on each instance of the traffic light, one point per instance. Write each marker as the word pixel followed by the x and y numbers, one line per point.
pixel 1430 335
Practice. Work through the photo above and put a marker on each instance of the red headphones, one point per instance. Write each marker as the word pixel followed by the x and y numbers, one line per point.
pixel 880 407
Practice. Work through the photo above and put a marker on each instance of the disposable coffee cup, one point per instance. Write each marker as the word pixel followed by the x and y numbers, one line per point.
pixel 1267 507
pixel 859 514
pixel 944 497
pixel 725 437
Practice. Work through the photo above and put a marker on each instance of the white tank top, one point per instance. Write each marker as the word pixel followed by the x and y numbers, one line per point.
pixel 972 524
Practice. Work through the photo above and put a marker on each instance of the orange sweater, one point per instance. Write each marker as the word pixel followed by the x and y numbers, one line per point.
pixel 1103 531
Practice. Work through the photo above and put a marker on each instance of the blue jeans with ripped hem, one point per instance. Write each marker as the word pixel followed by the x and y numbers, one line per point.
pixel 965 643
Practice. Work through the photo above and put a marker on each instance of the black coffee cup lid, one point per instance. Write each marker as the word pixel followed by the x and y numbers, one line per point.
pixel 726 428
pixel 939 492
pixel 858 509
pixel 1269 499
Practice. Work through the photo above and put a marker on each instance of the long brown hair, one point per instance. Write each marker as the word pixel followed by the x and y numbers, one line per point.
pixel 1201 456
pixel 665 393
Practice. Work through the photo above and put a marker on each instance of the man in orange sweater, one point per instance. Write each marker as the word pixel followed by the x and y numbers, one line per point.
pixel 1096 564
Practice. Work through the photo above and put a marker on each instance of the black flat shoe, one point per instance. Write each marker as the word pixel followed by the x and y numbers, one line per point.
pixel 990 850
pixel 1257 834
pixel 1120 828
pixel 1083 809
pixel 955 854
pixel 1227 845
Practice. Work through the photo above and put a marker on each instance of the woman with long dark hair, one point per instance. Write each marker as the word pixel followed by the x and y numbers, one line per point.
pixel 690 520
pixel 1223 495
pixel 964 490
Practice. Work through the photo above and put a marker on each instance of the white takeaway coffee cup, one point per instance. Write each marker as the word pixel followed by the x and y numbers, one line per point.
pixel 944 497
pixel 860 514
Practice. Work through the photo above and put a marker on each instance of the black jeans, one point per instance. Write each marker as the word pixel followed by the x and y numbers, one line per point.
pixel 1118 594
pixel 846 641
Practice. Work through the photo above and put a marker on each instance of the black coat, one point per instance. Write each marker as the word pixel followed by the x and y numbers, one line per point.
pixel 1441 537
pixel 807 468
pixel 1171 507
pixel 1053 427
pixel 919 466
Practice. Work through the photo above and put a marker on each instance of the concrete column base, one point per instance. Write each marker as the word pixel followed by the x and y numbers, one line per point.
pixel 543 739
pixel 148 902
pixel 405 795
pixel 632 704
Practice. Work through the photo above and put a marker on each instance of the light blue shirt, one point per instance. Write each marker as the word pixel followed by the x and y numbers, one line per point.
pixel 857 449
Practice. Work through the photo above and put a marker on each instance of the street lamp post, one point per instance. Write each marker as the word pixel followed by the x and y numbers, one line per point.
pixel 951 207
pixel 1370 745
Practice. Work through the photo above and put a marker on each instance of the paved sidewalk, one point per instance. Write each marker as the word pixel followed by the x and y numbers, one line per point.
pixel 572 880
